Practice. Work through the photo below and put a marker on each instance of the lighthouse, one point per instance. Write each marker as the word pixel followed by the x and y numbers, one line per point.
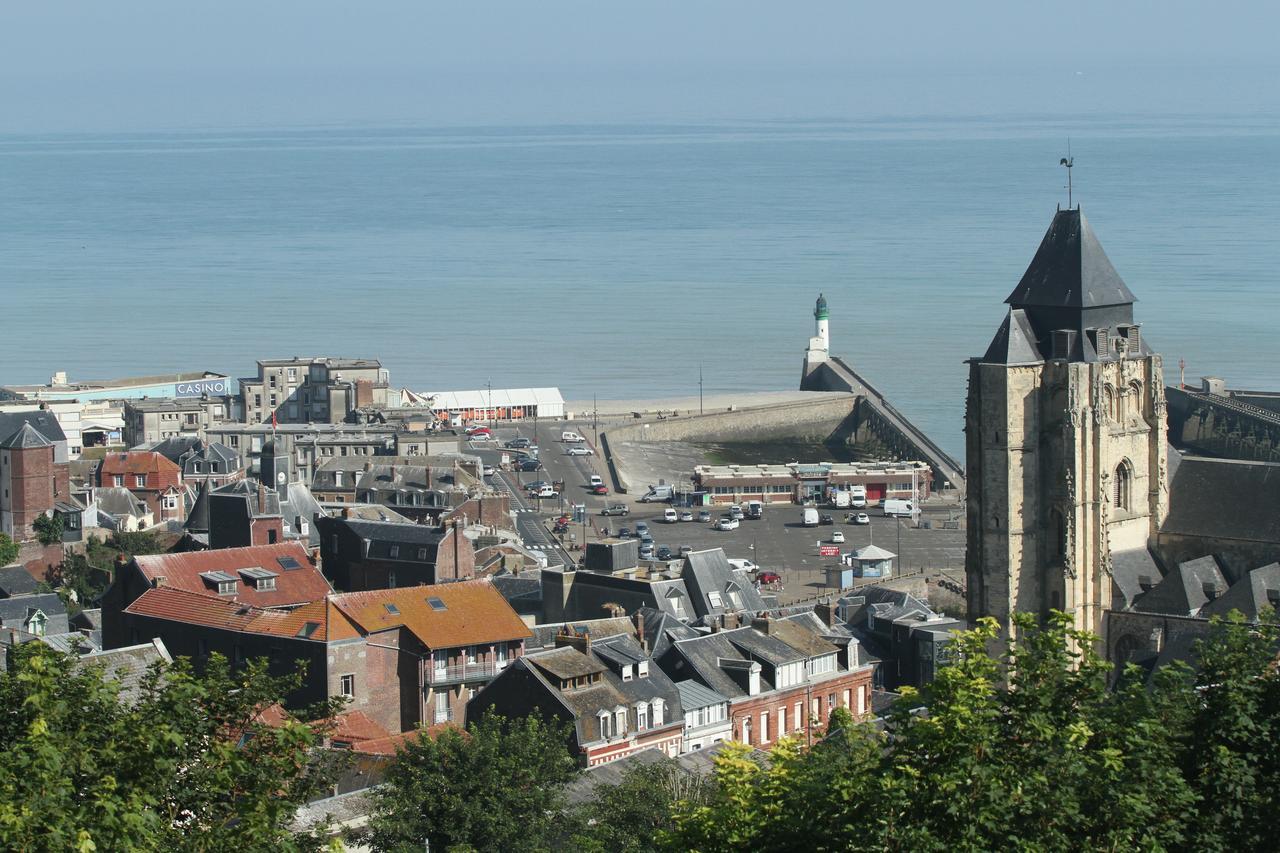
pixel 820 344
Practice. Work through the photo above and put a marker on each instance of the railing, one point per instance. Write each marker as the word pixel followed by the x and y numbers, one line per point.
pixel 463 672
pixel 445 716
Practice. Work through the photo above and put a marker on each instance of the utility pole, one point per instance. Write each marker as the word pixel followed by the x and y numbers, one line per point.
pixel 700 410
pixel 595 418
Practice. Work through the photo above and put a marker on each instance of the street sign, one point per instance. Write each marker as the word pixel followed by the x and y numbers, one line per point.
pixel 828 550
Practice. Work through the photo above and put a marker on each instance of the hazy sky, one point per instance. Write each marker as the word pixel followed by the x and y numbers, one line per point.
pixel 149 64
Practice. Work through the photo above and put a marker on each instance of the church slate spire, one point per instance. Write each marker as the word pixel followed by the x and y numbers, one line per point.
pixel 1070 270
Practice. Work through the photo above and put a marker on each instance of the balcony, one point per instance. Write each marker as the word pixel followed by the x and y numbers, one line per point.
pixel 463 672
pixel 445 716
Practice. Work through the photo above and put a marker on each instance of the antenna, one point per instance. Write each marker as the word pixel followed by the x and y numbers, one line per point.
pixel 1068 161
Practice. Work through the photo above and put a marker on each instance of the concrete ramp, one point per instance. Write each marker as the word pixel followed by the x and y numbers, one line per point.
pixel 880 417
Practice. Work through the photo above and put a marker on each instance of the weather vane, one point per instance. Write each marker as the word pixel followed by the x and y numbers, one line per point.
pixel 1068 161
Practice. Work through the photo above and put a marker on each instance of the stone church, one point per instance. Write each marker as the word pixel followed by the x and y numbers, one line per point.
pixel 1066 455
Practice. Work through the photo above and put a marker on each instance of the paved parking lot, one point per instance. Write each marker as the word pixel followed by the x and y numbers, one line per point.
pixel 778 541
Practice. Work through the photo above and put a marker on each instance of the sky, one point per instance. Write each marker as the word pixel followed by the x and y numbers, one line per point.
pixel 168 64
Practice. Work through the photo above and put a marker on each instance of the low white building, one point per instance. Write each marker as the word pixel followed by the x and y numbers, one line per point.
pixel 706 716
pixel 502 404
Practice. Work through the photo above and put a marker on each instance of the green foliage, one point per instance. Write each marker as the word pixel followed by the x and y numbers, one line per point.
pixel 48 529
pixel 133 544
pixel 88 581
pixel 631 816
pixel 182 766
pixel 1029 751
pixel 8 550
pixel 494 787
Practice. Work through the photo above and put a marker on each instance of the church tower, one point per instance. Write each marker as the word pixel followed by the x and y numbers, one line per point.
pixel 1065 438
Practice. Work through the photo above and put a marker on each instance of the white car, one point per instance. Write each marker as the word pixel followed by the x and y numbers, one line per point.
pixel 862 518
pixel 595 481
pixel 837 537
pixel 489 470
pixel 481 436
pixel 579 450
pixel 727 522
pixel 670 516
pixel 544 492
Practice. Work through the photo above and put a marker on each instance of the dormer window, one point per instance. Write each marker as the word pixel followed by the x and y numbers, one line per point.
pixel 656 706
pixel 1210 590
pixel 1103 352
pixel 642 669
pixel 642 716
pixel 627 673
pixel 262 580
pixel 1062 343
pixel 226 588
pixel 714 598
pixel 603 717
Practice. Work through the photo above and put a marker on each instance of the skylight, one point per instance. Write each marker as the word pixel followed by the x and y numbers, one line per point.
pixel 288 563
pixel 436 603
pixel 392 609
pixel 307 629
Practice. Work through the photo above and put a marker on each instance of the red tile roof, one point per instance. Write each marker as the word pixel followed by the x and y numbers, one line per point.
pixel 137 462
pixel 308 622
pixel 293 586
pixel 473 613
pixel 394 743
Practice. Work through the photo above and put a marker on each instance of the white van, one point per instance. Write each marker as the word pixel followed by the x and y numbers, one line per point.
pixel 656 494
pixel 840 498
pixel 810 517
pixel 898 508
pixel 542 492
pixel 670 516
pixel 858 497
pixel 571 437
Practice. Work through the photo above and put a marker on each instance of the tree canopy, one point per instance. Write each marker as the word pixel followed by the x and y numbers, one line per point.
pixel 182 764
pixel 1030 751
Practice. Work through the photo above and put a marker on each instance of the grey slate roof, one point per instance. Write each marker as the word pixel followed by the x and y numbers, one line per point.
pixel 119 502
pixel 42 420
pixel 1129 569
pixel 382 535
pixel 709 571
pixel 1182 591
pixel 693 695
pixel 1070 270
pixel 1257 591
pixel 25 438
pixel 1015 341
pixel 1224 499
pixel 582 789
pixel 14 612
pixel 129 664
pixel 70 642
pixel 300 505
pixel 15 580
pixel 544 635
pixel 198 517
pixel 174 447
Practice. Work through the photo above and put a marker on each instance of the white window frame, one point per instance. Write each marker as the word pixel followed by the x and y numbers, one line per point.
pixel 347 685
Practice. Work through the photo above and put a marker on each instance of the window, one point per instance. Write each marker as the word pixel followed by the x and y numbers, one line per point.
pixel 395 552
pixel 442 714
pixel 117 480
pixel 603 718
pixel 265 584
pixel 272 537
pixel 714 598
pixel 782 721
pixel 436 603
pixel 642 669
pixel 1112 404
pixel 347 686
pixel 422 553
pixel 1122 486
pixel 500 655
pixel 1103 351
pixel 764 726
pixel 36 624
pixel 293 374
pixel 642 716
pixel 140 480
pixel 822 664
pixel 627 673
pixel 391 579
pixel 170 502
pixel 472 655
pixel 656 706
pixel 620 721
pixel 226 587
pixel 798 716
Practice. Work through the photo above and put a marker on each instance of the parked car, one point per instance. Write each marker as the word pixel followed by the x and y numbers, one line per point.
pixel 624 532
pixel 519 442
pixel 646 550
pixel 530 465
pixel 665 553
pixel 837 536
pixel 536 484
pixel 646 539
pixel 489 470
pixel 735 511
pixel 704 515
pixel 861 518
pixel 727 522
pixel 477 429
pixel 484 435
pixel 686 516
pixel 642 528
pixel 769 577
pixel 826 519
pixel 544 492
pixel 579 450
pixel 743 564
pixel 670 516
pixel 595 480
pixel 599 489
pixel 616 509
pixel 686 549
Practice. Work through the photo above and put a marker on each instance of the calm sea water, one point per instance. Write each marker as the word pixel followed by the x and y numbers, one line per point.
pixel 614 260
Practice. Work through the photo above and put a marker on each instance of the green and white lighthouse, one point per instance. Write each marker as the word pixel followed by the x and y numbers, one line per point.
pixel 819 348
pixel 820 321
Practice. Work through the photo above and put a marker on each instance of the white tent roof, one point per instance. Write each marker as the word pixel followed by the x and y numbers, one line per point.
pixel 497 398
pixel 873 552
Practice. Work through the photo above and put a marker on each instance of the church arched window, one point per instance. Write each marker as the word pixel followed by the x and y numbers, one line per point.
pixel 1059 527
pixel 1112 402
pixel 1123 485
pixel 1135 398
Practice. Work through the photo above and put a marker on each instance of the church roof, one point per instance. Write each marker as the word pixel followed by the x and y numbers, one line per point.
pixel 26 438
pixel 1015 341
pixel 1070 270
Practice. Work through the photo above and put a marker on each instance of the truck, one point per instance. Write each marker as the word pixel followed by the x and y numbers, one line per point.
pixel 898 508
pixel 810 517
pixel 858 497
pixel 656 494
pixel 755 509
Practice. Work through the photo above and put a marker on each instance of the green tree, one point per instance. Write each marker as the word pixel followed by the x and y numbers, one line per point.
pixel 181 765
pixel 135 543
pixel 496 786
pixel 632 816
pixel 8 550
pixel 48 529
pixel 88 581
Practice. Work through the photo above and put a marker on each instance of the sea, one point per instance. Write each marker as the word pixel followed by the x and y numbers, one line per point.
pixel 619 261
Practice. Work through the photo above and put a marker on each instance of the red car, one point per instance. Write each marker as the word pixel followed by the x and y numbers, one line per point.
pixel 769 577
pixel 600 489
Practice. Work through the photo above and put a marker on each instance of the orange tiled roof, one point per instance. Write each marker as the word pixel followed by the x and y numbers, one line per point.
pixel 293 586
pixel 178 605
pixel 391 744
pixel 354 727
pixel 474 612
pixel 137 462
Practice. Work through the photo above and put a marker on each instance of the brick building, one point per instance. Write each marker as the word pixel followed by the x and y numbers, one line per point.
pixel 362 555
pixel 426 650
pixel 782 676
pixel 35 472
pixel 151 477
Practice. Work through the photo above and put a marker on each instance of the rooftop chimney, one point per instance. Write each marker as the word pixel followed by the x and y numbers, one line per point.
pixel 826 612
pixel 638 619
pixel 571 638
pixel 262 499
